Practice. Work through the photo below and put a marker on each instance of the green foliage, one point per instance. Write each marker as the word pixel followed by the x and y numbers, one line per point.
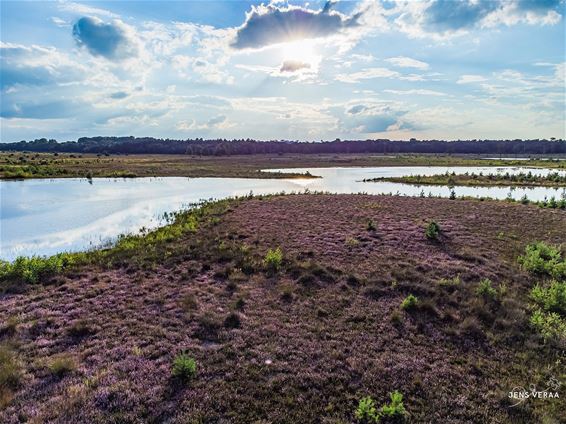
pixel 33 269
pixel 409 302
pixel 541 258
pixel 367 412
pixel 432 230
pixel 184 367
pixel 550 298
pixel 550 325
pixel 273 260
pixel 450 282
pixel 486 290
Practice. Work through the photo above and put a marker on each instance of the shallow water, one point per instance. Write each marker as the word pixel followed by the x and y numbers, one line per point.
pixel 44 217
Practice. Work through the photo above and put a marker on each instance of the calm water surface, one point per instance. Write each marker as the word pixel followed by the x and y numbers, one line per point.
pixel 44 217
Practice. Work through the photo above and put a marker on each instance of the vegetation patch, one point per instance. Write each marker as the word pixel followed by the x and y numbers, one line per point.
pixel 368 413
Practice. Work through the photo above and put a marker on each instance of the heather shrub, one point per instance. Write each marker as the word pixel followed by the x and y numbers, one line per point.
pixel 486 290
pixel 410 302
pixel 544 259
pixel 184 367
pixel 232 320
pixel 273 260
pixel 432 230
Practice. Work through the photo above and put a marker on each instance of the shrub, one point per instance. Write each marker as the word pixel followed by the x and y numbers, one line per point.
pixel 432 230
pixel 486 290
pixel 273 260
pixel 366 410
pixel 395 408
pixel 544 259
pixel 33 269
pixel 409 302
pixel 551 298
pixel 184 367
pixel 61 365
pixel 549 324
pixel 450 282
pixel 371 225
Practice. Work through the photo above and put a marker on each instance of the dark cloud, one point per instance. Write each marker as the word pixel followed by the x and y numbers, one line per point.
pixel 356 109
pixel 119 95
pixel 39 110
pixel 293 66
pixel 216 120
pixel 271 24
pixel 450 15
pixel 109 40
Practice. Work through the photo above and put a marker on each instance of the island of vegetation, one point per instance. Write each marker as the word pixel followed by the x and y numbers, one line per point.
pixel 296 308
pixel 525 179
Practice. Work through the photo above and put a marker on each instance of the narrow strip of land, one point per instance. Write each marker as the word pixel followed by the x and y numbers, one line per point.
pixel 64 165
pixel 554 179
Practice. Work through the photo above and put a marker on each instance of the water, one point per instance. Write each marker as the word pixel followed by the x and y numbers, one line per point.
pixel 44 217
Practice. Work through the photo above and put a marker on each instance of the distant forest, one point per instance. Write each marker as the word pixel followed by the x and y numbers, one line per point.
pixel 219 147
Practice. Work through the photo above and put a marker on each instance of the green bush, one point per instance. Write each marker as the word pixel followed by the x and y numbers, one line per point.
pixel 61 365
pixel 367 412
pixel 550 325
pixel 551 298
pixel 33 269
pixel 432 230
pixel 544 259
pixel 486 290
pixel 409 302
pixel 273 260
pixel 184 367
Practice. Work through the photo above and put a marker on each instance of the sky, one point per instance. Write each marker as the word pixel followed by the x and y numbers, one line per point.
pixel 317 70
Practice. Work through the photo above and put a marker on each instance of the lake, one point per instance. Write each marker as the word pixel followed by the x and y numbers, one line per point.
pixel 47 216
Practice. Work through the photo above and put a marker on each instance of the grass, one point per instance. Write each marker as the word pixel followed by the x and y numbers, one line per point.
pixel 486 290
pixel 273 260
pixel 61 365
pixel 410 302
pixel 10 374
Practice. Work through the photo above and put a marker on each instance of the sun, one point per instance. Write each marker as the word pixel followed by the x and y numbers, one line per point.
pixel 300 51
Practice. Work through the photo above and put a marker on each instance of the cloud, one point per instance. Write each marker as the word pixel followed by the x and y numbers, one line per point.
pixel 368 73
pixel 467 79
pixel 119 95
pixel 407 62
pixel 272 24
pixel 81 9
pixel 192 125
pixel 442 18
pixel 356 109
pixel 113 41
pixel 419 92
pixel 293 66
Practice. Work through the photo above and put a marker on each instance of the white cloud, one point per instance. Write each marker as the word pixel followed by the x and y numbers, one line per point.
pixel 407 62
pixel 470 79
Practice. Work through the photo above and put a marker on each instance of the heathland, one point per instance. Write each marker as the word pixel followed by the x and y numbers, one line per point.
pixel 297 308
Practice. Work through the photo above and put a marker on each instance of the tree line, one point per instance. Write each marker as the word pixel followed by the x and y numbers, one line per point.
pixel 223 147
